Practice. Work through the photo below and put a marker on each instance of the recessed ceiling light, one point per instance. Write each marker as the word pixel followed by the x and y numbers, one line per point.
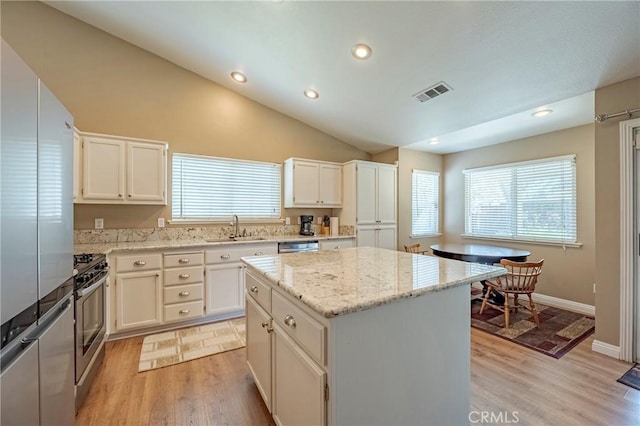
pixel 542 112
pixel 239 77
pixel 311 94
pixel 361 51
pixel 433 141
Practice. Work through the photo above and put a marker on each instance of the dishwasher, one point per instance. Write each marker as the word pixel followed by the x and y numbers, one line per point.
pixel 298 246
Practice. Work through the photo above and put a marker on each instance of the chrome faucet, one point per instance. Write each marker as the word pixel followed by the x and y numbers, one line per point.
pixel 236 224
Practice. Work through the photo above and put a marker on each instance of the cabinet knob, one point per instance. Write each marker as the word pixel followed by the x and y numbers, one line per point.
pixel 184 276
pixel 184 293
pixel 254 289
pixel 258 253
pixel 336 247
pixel 139 263
pixel 185 311
pixel 290 321
pixel 129 195
pixel 184 260
pixel 225 256
pixel 119 195
pixel 266 325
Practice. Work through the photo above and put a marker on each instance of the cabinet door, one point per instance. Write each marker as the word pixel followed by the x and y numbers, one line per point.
pixel 366 194
pixel 259 348
pixel 225 289
pixel 138 299
pixel 330 185
pixel 387 198
pixel 387 237
pixel 103 169
pixel 77 166
pixel 305 183
pixel 146 166
pixel 298 384
pixel 366 236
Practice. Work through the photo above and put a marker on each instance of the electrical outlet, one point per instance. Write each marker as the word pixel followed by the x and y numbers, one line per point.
pixel 298 220
pixel 98 223
pixel 287 220
pixel 594 287
pixel 161 222
pixel 319 221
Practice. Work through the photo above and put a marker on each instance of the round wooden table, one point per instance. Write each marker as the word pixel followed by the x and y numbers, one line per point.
pixel 479 253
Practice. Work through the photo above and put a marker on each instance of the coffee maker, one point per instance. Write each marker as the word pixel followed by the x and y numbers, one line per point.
pixel 305 225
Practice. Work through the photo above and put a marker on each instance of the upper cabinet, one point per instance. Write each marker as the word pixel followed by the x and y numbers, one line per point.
pixel 309 183
pixel 117 170
pixel 370 193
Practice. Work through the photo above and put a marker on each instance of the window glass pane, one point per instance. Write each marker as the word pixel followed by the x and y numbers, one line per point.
pixel 534 201
pixel 424 209
pixel 217 188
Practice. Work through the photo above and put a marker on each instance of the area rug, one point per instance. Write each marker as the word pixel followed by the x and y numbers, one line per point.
pixel 559 330
pixel 173 347
pixel 632 377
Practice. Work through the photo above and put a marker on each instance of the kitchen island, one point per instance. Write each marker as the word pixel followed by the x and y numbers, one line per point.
pixel 361 336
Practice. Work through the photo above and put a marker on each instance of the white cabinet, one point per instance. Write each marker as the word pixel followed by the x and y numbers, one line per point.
pixel 259 343
pixel 183 286
pixel 336 244
pixel 370 194
pixel 77 165
pixel 310 183
pixel 225 277
pixel 118 170
pixel 139 299
pixel 285 351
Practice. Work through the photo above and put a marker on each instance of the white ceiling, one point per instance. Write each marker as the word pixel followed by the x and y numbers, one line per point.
pixel 502 59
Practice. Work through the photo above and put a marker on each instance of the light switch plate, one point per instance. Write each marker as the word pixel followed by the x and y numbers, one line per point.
pixel 287 220
pixel 98 223
pixel 161 222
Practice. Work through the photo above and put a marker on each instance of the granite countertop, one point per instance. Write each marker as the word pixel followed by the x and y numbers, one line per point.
pixel 108 248
pixel 338 282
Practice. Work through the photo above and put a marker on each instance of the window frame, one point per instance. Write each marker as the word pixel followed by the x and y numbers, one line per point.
pixel 571 241
pixel 276 218
pixel 436 231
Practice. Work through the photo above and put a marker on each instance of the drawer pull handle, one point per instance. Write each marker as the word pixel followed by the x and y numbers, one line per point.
pixel 139 263
pixel 254 289
pixel 336 248
pixel 290 321
pixel 185 311
pixel 184 260
pixel 266 325
pixel 225 256
pixel 258 253
pixel 184 293
pixel 184 276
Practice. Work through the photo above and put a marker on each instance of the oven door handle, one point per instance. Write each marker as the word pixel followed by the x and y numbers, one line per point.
pixel 92 288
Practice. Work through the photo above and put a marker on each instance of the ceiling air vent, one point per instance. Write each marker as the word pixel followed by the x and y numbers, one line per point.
pixel 433 91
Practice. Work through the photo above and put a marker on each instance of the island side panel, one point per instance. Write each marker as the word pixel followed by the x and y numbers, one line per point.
pixel 403 363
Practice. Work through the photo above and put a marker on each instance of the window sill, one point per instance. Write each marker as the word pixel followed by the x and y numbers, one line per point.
pixel 517 240
pixel 246 221
pixel 413 237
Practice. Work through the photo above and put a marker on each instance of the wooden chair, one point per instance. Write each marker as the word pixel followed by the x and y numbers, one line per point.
pixel 414 248
pixel 521 278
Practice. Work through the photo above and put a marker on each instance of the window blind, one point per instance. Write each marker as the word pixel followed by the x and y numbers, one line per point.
pixel 210 188
pixel 424 208
pixel 531 201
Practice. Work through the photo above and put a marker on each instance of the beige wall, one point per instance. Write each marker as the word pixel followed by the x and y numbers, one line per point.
pixel 568 273
pixel 610 99
pixel 113 87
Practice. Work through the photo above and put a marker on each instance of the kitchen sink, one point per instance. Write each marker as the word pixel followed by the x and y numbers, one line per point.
pixel 232 239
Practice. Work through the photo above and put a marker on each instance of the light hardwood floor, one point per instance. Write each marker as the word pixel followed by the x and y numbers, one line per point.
pixel 509 384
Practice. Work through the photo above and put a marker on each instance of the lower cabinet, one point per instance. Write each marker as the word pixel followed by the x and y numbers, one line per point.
pixel 138 299
pixel 225 288
pixel 298 383
pixel 380 236
pixel 259 332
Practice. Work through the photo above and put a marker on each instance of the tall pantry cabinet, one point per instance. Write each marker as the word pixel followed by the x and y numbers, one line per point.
pixel 370 197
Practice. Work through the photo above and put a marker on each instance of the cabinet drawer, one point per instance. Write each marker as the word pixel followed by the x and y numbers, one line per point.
pixel 138 262
pixel 183 259
pixel 336 244
pixel 182 311
pixel 193 274
pixel 304 329
pixel 230 253
pixel 260 291
pixel 183 293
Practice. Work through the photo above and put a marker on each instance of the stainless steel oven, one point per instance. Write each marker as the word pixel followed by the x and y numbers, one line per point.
pixel 90 316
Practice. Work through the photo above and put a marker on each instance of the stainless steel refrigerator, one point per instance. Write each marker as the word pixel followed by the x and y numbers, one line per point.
pixel 36 250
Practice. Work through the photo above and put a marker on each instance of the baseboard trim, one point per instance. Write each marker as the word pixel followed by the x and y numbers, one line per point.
pixel 606 349
pixel 569 305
